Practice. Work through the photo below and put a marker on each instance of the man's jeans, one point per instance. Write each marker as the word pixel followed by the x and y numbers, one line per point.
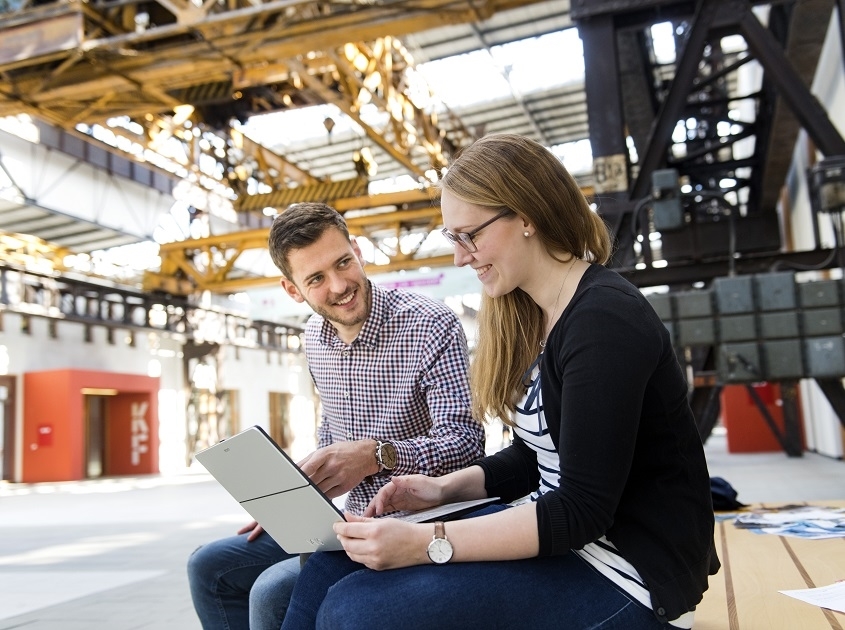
pixel 240 585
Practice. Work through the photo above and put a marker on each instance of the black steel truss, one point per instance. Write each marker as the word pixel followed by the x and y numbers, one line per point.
pixel 699 89
pixel 33 294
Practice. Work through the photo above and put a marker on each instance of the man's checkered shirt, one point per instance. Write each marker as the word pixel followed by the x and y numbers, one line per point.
pixel 403 380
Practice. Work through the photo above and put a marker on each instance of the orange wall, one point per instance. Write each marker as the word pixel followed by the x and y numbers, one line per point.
pixel 747 431
pixel 54 424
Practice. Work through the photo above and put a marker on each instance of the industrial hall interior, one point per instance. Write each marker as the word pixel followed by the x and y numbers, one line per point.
pixel 147 145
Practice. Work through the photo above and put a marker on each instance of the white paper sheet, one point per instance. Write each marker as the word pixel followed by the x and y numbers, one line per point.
pixel 832 596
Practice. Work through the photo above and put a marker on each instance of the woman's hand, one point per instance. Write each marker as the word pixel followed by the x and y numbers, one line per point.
pixel 384 543
pixel 407 492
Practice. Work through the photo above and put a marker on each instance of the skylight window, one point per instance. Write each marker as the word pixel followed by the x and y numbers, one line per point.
pixel 525 66
pixel 290 128
pixel 540 63
pixel 663 40
pixel 465 80
pixel 577 157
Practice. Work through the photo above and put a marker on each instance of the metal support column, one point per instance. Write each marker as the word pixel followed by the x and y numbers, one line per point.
pixel 611 166
pixel 791 418
pixel 780 71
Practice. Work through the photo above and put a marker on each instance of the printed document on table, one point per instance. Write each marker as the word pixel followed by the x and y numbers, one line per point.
pixel 807 522
pixel 832 597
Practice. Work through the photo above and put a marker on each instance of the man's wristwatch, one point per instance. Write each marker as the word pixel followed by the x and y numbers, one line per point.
pixel 439 549
pixel 385 455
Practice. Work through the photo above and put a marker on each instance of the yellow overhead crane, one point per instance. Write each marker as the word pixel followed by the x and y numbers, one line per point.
pixel 175 66
pixel 206 264
pixel 181 72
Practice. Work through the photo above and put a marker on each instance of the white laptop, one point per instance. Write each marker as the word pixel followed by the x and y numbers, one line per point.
pixel 288 505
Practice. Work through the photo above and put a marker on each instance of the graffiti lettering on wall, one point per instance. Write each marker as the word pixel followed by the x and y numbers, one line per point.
pixel 140 431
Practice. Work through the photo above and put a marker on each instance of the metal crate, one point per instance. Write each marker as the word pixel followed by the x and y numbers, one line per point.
pixel 739 363
pixel 734 295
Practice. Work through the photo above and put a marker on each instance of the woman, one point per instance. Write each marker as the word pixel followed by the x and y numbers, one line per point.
pixel 617 530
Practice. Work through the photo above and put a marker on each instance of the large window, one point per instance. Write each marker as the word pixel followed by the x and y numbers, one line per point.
pixel 280 428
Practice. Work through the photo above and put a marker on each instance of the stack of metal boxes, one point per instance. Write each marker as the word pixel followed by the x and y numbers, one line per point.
pixel 766 327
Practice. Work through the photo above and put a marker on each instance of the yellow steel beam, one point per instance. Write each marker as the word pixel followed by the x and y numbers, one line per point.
pixel 174 286
pixel 326 192
pixel 206 264
pixel 31 252
pixel 87 63
pixel 404 197
pixel 330 96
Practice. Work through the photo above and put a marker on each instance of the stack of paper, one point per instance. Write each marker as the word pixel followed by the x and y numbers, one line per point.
pixel 804 521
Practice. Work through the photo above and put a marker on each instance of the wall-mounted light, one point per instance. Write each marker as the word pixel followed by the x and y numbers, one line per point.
pixel 98 391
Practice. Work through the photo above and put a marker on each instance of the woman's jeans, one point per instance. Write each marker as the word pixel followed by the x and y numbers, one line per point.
pixel 333 592
pixel 557 592
pixel 240 585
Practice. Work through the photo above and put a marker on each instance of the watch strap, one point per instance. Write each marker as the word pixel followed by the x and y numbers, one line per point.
pixel 379 459
pixel 440 530
pixel 440 549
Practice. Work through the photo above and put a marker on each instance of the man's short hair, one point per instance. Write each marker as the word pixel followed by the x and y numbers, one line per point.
pixel 301 225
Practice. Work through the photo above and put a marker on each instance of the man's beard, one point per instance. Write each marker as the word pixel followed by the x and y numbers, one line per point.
pixel 330 313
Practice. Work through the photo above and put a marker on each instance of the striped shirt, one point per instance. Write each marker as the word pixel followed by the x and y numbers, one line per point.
pixel 601 554
pixel 402 380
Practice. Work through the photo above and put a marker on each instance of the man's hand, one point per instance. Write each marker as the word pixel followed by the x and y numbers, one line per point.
pixel 254 528
pixel 341 466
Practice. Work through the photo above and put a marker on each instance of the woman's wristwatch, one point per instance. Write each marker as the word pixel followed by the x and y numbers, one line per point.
pixel 439 549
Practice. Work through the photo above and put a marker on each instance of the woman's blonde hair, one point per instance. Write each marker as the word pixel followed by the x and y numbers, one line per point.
pixel 510 171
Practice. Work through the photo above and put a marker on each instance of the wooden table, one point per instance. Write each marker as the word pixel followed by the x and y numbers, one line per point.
pixel 744 595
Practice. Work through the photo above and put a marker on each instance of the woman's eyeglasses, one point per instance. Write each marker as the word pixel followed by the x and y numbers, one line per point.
pixel 464 239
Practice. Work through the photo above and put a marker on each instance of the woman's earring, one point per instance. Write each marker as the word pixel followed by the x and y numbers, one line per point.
pixel 526 234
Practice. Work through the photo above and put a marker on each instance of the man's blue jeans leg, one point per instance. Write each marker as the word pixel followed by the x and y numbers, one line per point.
pixel 221 575
pixel 270 595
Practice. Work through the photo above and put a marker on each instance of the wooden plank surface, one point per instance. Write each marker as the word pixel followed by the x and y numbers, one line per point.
pixel 744 594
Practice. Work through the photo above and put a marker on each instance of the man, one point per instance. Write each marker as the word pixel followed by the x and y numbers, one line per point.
pixel 391 371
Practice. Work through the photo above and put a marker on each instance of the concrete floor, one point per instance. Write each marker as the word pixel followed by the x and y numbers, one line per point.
pixel 110 554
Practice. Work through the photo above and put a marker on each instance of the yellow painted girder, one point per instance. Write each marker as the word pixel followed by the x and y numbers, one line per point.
pixel 30 252
pixel 179 273
pixel 205 264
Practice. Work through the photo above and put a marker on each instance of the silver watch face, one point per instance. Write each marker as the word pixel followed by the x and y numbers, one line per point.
pixel 387 455
pixel 440 550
